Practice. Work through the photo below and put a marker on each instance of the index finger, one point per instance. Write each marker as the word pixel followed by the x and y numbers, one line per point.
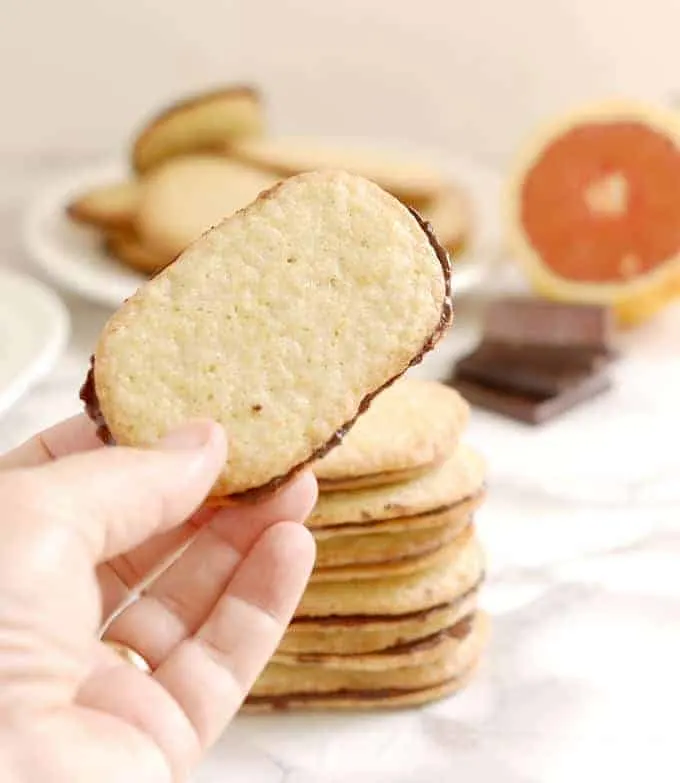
pixel 70 436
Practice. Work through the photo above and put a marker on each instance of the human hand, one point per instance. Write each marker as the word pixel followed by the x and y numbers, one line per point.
pixel 81 525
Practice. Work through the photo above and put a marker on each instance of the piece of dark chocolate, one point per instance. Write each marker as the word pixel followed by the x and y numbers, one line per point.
pixel 532 370
pixel 534 321
pixel 531 409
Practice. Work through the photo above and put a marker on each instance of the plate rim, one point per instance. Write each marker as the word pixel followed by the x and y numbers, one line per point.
pixel 51 202
pixel 57 334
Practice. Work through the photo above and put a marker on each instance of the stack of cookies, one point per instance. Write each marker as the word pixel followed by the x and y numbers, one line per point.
pixel 390 617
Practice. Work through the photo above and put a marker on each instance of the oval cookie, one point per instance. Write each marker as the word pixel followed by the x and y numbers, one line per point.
pixel 413 424
pixel 199 123
pixel 111 206
pixel 355 634
pixel 282 323
pixel 403 175
pixel 185 197
pixel 457 478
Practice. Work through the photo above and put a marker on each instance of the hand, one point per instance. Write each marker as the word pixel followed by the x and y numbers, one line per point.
pixel 79 526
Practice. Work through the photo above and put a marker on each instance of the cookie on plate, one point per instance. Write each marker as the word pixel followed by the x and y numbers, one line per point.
pixel 450 215
pixel 282 323
pixel 185 197
pixel 111 206
pixel 416 652
pixel 409 427
pixel 127 248
pixel 202 122
pixel 403 175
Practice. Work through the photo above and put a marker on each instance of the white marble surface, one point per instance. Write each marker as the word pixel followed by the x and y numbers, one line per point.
pixel 582 527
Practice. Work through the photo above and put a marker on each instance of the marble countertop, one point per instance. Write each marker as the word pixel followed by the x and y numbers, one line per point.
pixel 582 531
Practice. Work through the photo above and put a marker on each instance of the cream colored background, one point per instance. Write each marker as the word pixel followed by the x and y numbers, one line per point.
pixel 468 76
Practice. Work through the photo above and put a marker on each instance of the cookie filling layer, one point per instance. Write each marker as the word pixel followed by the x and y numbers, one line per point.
pixel 370 619
pixel 458 631
pixel 286 701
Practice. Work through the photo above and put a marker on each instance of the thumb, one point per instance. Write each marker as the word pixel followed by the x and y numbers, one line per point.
pixel 115 498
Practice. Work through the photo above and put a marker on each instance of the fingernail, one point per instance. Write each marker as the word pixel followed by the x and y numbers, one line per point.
pixel 192 436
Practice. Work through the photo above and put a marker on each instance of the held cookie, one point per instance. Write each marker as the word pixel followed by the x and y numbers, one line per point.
pixel 185 197
pixel 200 123
pixel 411 425
pixel 282 324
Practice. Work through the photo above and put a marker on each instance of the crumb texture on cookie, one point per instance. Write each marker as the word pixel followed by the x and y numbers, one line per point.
pixel 279 323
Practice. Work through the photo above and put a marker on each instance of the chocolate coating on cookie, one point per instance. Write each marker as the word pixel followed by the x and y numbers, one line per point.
pixel 88 395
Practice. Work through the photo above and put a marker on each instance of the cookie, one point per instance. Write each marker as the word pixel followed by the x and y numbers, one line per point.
pixel 403 175
pixel 362 634
pixel 456 514
pixel 186 196
pixel 452 652
pixel 417 652
pixel 457 478
pixel 372 548
pixel 107 207
pixel 369 699
pixel 282 323
pixel 127 248
pixel 395 566
pixel 373 480
pixel 450 215
pixel 456 570
pixel 410 426
pixel 201 122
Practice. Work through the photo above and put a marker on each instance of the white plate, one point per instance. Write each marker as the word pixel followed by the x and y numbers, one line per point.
pixel 73 258
pixel 34 329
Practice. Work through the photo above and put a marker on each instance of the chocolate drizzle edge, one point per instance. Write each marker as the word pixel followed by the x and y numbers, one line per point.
pixel 371 619
pixel 459 631
pixel 288 700
pixel 88 392
pixel 88 395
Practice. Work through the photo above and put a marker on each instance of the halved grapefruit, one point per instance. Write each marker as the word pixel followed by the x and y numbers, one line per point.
pixel 593 209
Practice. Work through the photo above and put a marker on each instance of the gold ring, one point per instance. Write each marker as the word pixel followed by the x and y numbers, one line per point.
pixel 129 655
